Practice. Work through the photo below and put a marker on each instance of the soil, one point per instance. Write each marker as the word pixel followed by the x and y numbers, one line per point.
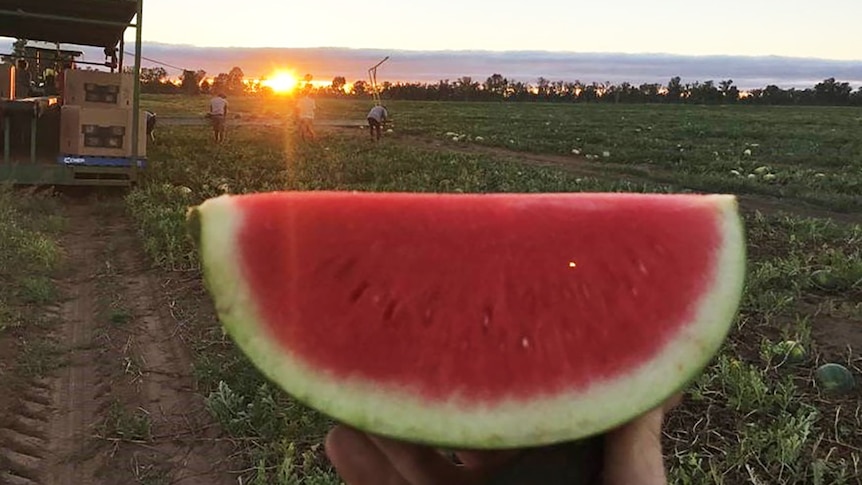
pixel 838 338
pixel 72 425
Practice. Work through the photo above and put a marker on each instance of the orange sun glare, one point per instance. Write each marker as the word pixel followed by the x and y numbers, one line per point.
pixel 281 82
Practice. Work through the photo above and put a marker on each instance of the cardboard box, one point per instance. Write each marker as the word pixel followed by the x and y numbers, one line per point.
pixel 101 132
pixel 97 89
pixel 7 81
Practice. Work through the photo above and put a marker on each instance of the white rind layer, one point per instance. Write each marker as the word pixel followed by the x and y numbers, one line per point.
pixel 397 413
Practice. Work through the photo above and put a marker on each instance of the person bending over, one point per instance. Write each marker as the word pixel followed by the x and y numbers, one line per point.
pixel 377 117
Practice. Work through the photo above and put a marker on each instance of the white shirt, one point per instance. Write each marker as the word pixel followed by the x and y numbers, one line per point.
pixel 218 106
pixel 306 108
pixel 378 113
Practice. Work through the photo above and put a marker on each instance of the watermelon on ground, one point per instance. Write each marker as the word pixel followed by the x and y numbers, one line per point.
pixel 475 320
pixel 834 378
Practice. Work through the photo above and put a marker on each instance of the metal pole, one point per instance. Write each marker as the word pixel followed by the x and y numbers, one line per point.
pixel 136 103
pixel 122 47
pixel 372 76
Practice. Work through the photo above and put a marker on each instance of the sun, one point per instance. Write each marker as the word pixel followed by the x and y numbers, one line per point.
pixel 281 82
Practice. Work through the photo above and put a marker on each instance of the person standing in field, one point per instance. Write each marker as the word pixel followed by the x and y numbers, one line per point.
pixel 23 80
pixel 218 116
pixel 306 108
pixel 377 117
pixel 50 77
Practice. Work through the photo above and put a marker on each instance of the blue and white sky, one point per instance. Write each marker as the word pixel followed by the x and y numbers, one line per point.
pixel 791 43
pixel 796 28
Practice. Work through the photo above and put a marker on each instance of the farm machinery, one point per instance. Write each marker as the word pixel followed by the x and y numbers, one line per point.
pixel 64 122
pixel 372 78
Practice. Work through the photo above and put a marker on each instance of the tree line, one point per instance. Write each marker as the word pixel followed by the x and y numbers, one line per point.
pixel 499 88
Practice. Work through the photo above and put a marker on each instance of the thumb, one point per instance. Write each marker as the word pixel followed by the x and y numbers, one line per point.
pixel 633 452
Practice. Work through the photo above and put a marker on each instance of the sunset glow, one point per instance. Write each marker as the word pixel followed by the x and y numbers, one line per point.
pixel 281 82
pixel 678 27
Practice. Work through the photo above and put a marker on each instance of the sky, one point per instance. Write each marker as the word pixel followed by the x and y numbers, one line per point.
pixel 794 28
pixel 790 43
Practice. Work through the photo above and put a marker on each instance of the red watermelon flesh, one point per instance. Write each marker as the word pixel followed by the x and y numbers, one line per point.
pixel 460 306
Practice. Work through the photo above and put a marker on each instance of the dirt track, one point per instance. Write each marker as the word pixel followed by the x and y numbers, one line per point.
pixel 120 406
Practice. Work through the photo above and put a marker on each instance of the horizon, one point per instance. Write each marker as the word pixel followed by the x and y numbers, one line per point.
pixel 429 66
pixel 324 63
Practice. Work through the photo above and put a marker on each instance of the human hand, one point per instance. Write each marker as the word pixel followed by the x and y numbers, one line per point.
pixel 631 455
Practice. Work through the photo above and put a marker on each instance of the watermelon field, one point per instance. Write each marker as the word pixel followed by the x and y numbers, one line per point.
pixel 115 361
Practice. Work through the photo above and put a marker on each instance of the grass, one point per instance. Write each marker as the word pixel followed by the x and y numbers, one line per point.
pixel 39 356
pixel 120 423
pixel 113 306
pixel 752 417
pixel 809 153
pixel 28 253
pixel 29 257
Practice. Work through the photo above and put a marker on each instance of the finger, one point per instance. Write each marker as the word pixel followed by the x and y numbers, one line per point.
pixel 359 461
pixel 422 465
pixel 672 402
pixel 652 419
pixel 634 457
pixel 633 452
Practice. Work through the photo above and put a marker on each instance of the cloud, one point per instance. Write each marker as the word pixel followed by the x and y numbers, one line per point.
pixel 431 66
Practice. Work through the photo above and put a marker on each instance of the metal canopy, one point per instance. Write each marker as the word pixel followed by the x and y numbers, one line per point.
pixel 84 22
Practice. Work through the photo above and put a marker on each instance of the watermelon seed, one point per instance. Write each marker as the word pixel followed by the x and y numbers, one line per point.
pixel 356 294
pixel 390 310
pixel 486 320
pixel 525 342
pixel 427 317
pixel 642 268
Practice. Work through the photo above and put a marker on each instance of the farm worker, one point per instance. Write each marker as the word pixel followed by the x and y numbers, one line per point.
pixel 151 125
pixel 631 455
pixel 376 118
pixel 218 116
pixel 22 79
pixel 306 108
pixel 50 76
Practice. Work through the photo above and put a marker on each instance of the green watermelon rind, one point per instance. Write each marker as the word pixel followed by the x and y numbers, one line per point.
pixel 834 378
pixel 396 413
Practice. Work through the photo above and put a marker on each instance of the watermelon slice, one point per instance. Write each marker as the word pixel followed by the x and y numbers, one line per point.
pixel 475 320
